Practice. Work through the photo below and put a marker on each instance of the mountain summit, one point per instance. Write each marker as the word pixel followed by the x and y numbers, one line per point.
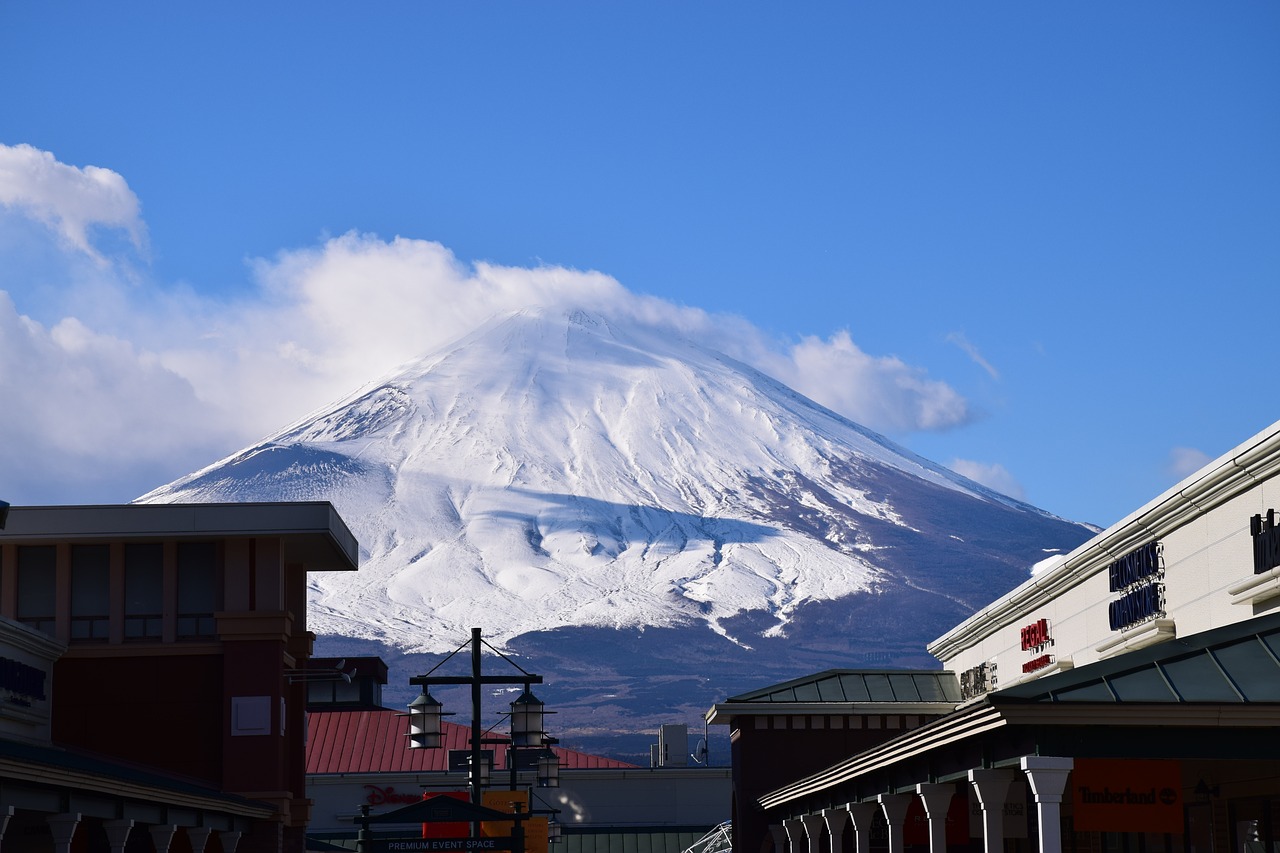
pixel 555 473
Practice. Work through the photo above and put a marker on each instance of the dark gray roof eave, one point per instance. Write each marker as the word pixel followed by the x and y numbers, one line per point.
pixel 316 522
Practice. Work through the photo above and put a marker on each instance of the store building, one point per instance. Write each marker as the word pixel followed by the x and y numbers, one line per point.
pixel 1125 698
pixel 151 660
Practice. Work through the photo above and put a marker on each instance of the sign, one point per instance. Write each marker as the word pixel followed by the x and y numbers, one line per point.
pixel 1136 566
pixel 446 828
pixel 1138 576
pixel 24 682
pixel 1036 636
pixel 379 796
pixel 1141 605
pixel 1266 542
pixel 1037 663
pixel 438 845
pixel 977 680
pixel 1118 795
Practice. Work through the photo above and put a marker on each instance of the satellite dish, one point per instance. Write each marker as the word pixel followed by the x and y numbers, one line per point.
pixel 699 754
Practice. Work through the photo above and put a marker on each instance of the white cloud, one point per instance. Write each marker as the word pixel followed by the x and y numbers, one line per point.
pixel 89 417
pixel 1185 461
pixel 123 378
pixel 357 306
pixel 66 199
pixel 990 474
pixel 882 392
pixel 970 350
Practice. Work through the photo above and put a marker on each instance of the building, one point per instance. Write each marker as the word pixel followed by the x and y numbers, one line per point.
pixel 151 665
pixel 358 755
pixel 1124 699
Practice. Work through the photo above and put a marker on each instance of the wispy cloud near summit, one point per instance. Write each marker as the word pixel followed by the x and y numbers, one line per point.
pixel 116 377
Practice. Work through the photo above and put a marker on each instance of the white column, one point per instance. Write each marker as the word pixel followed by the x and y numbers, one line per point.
pixel 162 835
pixel 5 814
pixel 199 837
pixel 231 839
pixel 1048 778
pixel 779 838
pixel 862 814
pixel 937 800
pixel 895 811
pixel 992 788
pixel 836 819
pixel 117 833
pixel 798 838
pixel 63 827
pixel 814 827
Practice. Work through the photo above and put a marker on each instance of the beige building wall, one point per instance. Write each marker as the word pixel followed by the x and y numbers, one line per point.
pixel 1207 577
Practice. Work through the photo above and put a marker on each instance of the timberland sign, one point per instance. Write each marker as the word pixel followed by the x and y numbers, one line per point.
pixel 1127 795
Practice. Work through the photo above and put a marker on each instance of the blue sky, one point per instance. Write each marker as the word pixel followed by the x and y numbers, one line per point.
pixel 1034 241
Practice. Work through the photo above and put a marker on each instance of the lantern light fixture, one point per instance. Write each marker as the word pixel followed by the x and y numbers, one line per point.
pixel 425 713
pixel 548 770
pixel 527 713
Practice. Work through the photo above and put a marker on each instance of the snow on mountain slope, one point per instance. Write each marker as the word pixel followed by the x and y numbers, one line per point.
pixel 555 469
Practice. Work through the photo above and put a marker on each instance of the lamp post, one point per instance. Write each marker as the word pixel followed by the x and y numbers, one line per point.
pixel 527 716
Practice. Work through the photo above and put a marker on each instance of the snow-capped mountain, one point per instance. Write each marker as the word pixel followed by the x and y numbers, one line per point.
pixel 559 476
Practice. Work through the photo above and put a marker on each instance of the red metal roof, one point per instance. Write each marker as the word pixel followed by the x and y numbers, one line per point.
pixel 377 742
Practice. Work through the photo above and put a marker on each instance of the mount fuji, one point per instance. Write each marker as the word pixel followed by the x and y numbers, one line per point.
pixel 650 524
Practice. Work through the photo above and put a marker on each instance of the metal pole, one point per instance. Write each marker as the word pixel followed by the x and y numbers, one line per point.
pixel 476 731
pixel 362 837
pixel 517 828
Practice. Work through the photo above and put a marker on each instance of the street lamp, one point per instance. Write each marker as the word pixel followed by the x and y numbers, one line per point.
pixel 527 715
pixel 424 721
pixel 526 720
pixel 548 770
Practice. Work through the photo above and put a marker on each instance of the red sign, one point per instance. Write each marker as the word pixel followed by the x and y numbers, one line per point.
pixel 1037 663
pixel 446 829
pixel 1036 636
pixel 379 796
pixel 1119 795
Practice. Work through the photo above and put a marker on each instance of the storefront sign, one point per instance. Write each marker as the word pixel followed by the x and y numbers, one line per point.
pixel 977 680
pixel 1140 605
pixel 1036 636
pixel 379 796
pixel 1117 795
pixel 1138 575
pixel 1037 663
pixel 24 681
pixel 438 845
pixel 1136 566
pixel 1266 542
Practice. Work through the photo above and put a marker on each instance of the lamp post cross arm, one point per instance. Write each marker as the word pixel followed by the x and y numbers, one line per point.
pixel 431 680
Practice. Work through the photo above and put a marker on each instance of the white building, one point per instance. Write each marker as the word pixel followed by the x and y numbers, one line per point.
pixel 1124 699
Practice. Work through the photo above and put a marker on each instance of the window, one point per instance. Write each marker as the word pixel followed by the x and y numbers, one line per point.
pixel 90 592
pixel 143 591
pixel 199 589
pixel 37 585
pixel 333 692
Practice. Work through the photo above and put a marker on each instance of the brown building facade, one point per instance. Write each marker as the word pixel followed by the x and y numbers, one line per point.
pixel 174 642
